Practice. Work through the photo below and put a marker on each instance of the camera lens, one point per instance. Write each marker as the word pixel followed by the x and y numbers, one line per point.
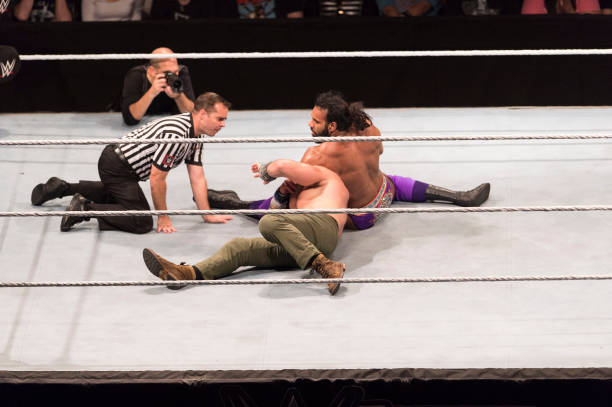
pixel 174 82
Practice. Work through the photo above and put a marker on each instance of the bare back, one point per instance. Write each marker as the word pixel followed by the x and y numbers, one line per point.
pixel 355 162
pixel 329 193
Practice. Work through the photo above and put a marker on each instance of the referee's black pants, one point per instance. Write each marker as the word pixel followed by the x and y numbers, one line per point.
pixel 118 190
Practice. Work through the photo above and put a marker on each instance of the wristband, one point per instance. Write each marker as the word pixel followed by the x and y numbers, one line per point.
pixel 263 173
pixel 279 201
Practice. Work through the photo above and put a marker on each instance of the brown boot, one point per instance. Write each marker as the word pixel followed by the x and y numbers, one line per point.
pixel 166 270
pixel 329 269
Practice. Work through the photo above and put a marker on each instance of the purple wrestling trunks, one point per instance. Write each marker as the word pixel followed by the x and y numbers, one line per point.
pixel 383 199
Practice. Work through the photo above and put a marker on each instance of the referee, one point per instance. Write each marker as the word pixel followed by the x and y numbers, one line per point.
pixel 122 166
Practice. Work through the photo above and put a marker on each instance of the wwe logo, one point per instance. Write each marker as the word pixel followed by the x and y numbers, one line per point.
pixel 7 68
pixel 4 6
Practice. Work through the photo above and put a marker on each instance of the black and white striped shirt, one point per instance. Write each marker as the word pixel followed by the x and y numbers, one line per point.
pixel 163 156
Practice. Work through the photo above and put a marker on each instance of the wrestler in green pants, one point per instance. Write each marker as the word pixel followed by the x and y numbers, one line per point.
pixel 288 241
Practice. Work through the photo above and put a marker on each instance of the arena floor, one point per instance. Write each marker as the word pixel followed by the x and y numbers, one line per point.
pixel 375 326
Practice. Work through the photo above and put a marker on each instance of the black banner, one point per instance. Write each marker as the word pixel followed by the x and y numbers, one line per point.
pixel 93 86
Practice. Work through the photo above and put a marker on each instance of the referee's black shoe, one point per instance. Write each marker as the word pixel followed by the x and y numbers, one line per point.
pixel 77 204
pixel 53 188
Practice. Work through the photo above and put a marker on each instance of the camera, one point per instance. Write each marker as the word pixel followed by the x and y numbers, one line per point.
pixel 175 83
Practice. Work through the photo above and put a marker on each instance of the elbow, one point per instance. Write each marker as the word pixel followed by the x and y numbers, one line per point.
pixel 130 121
pixel 128 118
pixel 157 179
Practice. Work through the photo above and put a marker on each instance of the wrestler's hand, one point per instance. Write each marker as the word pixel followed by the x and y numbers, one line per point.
pixel 216 218
pixel 164 225
pixel 255 170
pixel 288 187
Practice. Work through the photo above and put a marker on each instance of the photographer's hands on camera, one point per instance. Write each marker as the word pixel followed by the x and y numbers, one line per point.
pixel 160 84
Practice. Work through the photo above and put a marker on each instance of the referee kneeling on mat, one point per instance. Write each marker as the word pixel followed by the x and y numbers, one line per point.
pixel 122 166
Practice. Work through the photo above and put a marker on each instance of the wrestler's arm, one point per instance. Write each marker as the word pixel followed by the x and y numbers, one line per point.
pixel 299 173
pixel 312 156
pixel 200 193
pixel 158 193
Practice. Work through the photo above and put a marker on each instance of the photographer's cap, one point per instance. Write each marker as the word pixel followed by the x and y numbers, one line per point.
pixel 9 63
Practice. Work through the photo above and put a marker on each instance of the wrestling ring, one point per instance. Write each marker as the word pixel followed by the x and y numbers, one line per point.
pixel 533 261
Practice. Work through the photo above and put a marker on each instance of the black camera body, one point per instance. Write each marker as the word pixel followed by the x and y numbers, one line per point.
pixel 175 83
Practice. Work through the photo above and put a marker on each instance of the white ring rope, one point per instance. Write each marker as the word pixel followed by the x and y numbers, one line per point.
pixel 303 281
pixel 320 54
pixel 214 140
pixel 489 209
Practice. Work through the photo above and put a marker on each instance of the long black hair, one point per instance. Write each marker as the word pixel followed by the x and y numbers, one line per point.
pixel 345 115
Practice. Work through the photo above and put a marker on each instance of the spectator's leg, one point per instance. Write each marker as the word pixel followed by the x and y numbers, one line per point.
pixel 587 7
pixel 534 7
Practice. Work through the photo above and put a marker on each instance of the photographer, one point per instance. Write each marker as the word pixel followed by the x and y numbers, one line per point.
pixel 162 86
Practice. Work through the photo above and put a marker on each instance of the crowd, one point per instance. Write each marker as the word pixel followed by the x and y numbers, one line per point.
pixel 133 10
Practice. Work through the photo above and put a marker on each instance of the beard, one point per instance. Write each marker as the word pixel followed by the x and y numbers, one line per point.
pixel 323 133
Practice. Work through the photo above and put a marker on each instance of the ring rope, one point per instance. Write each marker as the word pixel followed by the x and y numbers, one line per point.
pixel 319 54
pixel 489 209
pixel 380 280
pixel 305 139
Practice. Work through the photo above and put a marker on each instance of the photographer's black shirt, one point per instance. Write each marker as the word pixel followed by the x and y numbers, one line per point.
pixel 136 84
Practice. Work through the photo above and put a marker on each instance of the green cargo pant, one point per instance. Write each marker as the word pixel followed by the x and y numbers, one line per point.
pixel 288 241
